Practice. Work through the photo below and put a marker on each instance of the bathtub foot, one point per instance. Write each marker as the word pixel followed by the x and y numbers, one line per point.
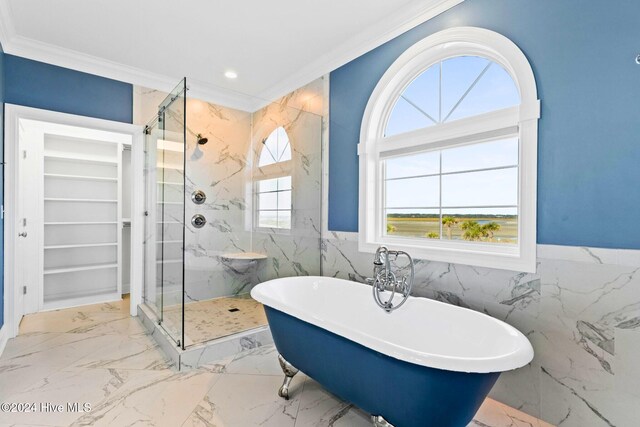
pixel 289 372
pixel 379 421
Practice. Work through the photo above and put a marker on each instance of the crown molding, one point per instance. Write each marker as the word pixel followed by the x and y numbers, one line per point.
pixel 398 23
pixel 363 42
pixel 67 58
pixel 7 29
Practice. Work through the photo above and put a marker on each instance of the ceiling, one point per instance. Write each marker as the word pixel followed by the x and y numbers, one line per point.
pixel 274 46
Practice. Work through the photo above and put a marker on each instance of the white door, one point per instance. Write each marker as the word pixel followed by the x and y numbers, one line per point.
pixel 70 215
pixel 63 205
pixel 27 277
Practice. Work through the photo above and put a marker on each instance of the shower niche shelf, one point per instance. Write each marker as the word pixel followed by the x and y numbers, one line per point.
pixel 244 256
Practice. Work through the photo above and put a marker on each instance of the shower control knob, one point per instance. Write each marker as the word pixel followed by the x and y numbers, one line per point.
pixel 198 221
pixel 198 197
pixel 23 234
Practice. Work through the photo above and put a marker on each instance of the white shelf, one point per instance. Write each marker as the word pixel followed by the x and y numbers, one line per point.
pixel 169 203
pixel 248 256
pixel 126 219
pixel 82 223
pixel 80 177
pixel 83 245
pixel 168 242
pixel 80 159
pixel 168 222
pixel 60 199
pixel 80 268
pixel 169 183
pixel 70 299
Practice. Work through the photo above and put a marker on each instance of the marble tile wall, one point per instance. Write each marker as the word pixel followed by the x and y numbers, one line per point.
pixel 224 169
pixel 581 312
pixel 296 251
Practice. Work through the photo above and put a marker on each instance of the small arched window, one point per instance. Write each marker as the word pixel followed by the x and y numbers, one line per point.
pixel 276 148
pixel 273 184
pixel 448 153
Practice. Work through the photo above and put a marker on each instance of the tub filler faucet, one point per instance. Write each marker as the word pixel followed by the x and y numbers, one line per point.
pixel 385 280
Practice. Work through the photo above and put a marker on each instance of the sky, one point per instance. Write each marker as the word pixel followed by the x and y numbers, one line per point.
pixel 453 89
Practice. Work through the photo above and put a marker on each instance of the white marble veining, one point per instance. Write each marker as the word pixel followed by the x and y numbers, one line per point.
pixel 224 169
pixel 126 380
pixel 581 312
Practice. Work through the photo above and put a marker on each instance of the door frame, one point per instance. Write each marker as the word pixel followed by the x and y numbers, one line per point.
pixel 13 115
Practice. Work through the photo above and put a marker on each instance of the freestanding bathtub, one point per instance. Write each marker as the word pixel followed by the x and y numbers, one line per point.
pixel 426 364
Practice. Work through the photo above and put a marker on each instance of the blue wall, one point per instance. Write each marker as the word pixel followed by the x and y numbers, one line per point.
pixel 1 186
pixel 39 85
pixel 582 54
pixel 45 86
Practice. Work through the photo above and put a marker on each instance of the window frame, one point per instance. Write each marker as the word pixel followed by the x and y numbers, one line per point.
pixel 520 121
pixel 278 169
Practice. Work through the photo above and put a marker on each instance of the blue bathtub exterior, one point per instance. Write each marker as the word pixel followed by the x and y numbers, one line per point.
pixel 405 394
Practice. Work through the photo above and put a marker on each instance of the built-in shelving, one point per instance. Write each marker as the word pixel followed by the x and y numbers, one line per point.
pixel 80 177
pixel 82 199
pixel 79 268
pixel 62 199
pixel 81 223
pixel 80 158
pixel 81 245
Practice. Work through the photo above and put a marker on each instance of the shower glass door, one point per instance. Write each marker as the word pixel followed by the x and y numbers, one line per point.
pixel 164 278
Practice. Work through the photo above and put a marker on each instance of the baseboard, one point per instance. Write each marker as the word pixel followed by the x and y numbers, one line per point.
pixel 4 337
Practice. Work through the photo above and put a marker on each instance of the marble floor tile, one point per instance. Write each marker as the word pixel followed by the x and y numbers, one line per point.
pixel 496 414
pixel 127 352
pixel 14 377
pixel 103 357
pixel 77 319
pixel 319 408
pixel 90 386
pixel 258 361
pixel 60 351
pixel 246 400
pixel 161 399
pixel 23 342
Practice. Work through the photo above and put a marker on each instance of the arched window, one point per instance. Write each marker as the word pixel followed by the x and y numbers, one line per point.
pixel 276 148
pixel 273 186
pixel 448 153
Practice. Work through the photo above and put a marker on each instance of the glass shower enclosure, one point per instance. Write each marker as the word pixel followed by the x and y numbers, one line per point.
pixel 233 198
pixel 165 213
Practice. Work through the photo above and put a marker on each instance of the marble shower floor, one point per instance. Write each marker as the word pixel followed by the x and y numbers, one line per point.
pixel 100 355
pixel 216 318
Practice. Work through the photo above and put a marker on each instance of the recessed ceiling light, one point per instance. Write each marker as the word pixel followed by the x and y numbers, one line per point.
pixel 231 74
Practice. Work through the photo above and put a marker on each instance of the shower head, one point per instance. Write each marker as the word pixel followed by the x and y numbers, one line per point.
pixel 202 140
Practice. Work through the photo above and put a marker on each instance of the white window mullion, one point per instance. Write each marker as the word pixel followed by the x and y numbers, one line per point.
pixel 486 185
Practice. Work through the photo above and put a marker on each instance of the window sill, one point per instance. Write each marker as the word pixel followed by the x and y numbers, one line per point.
pixel 510 257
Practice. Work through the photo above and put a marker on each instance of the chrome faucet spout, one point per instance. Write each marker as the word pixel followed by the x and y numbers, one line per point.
pixel 386 280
